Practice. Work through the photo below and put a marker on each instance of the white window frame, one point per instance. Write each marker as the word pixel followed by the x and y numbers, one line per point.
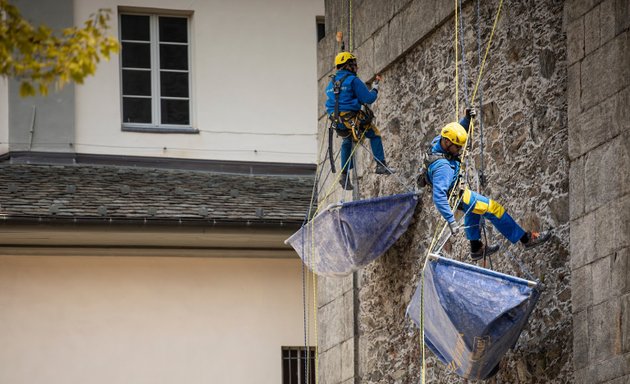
pixel 156 97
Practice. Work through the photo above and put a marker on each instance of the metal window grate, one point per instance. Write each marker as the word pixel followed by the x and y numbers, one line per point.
pixel 298 365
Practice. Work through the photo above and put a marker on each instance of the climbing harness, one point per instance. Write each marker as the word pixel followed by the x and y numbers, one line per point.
pixel 335 120
pixel 431 157
pixel 349 122
pixel 357 123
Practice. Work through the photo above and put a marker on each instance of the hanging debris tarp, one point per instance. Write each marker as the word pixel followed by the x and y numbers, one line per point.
pixel 472 315
pixel 347 236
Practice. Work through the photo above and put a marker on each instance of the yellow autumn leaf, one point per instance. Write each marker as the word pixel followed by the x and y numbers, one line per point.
pixel 40 58
pixel 26 89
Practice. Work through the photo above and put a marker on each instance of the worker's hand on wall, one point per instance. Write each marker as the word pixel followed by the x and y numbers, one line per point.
pixel 376 82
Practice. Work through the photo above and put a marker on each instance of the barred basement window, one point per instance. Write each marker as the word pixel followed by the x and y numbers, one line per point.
pixel 155 72
pixel 298 365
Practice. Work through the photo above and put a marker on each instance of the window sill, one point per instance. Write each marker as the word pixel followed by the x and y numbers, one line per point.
pixel 186 130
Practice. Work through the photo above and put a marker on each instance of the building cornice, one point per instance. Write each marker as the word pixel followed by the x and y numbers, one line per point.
pixel 220 166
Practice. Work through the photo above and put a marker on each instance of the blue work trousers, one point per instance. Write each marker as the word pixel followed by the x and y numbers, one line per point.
pixel 375 143
pixel 475 205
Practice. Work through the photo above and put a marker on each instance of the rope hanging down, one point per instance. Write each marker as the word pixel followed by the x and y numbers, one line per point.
pixel 461 28
pixel 350 36
pixel 309 216
pixel 305 285
pixel 455 201
pixel 456 67
pixel 480 180
pixel 310 261
pixel 482 177
pixel 313 277
pixel 471 132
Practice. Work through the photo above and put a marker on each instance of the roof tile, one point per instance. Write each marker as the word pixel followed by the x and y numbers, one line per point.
pixel 137 193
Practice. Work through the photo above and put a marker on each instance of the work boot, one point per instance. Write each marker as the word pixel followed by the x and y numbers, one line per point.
pixel 484 251
pixel 381 168
pixel 536 238
pixel 344 181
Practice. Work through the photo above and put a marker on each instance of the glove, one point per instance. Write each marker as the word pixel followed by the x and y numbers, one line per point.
pixel 471 113
pixel 453 227
pixel 375 82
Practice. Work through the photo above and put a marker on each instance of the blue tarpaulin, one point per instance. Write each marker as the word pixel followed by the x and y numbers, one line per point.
pixel 347 236
pixel 472 315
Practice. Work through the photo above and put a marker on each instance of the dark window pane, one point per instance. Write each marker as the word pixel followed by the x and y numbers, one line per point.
pixel 174 29
pixel 136 55
pixel 136 82
pixel 293 374
pixel 134 27
pixel 175 112
pixel 174 84
pixel 136 110
pixel 285 372
pixel 173 56
pixel 311 371
pixel 321 30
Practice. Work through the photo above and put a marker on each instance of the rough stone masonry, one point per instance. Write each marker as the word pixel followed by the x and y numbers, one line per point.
pixel 555 101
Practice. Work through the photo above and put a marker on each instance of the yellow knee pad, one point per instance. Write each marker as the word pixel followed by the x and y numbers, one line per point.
pixel 496 209
pixel 481 207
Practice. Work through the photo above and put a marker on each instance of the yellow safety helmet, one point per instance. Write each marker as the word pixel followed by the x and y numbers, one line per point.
pixel 343 58
pixel 455 133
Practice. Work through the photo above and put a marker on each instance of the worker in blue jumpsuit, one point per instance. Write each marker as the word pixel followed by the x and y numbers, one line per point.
pixel 352 94
pixel 442 173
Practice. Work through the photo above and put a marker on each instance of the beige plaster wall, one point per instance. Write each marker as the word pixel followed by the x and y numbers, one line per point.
pixel 147 320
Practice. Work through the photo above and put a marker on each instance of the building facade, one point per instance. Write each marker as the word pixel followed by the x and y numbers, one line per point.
pixel 144 211
pixel 218 81
pixel 552 102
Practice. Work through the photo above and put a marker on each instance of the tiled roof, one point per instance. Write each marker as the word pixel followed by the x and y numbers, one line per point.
pixel 130 193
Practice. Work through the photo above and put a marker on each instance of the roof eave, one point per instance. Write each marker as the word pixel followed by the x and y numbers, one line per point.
pixel 150 221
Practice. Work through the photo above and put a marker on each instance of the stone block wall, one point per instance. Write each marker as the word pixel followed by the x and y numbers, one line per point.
pixel 525 98
pixel 598 60
pixel 336 341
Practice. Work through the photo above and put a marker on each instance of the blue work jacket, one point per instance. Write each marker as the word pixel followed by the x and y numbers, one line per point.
pixel 353 93
pixel 443 174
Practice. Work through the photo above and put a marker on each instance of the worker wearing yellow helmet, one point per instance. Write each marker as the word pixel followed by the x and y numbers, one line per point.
pixel 347 107
pixel 343 58
pixel 442 172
